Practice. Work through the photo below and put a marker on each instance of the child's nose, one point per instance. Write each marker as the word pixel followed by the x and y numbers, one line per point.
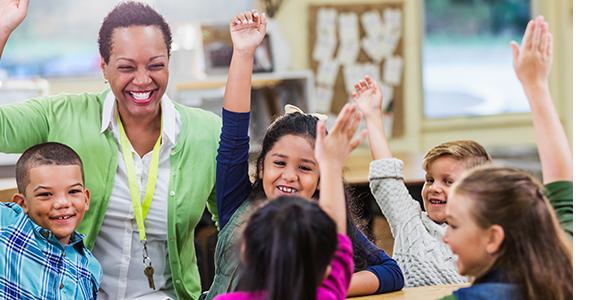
pixel 61 202
pixel 289 174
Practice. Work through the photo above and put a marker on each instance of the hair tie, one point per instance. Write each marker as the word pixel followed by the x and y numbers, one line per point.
pixel 290 109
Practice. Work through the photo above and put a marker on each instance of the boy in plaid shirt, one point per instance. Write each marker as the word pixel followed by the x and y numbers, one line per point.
pixel 41 254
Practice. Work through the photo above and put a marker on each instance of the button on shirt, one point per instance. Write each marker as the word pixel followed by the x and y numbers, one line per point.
pixel 118 244
pixel 35 265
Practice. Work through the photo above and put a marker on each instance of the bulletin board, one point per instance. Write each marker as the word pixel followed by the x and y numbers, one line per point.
pixel 379 53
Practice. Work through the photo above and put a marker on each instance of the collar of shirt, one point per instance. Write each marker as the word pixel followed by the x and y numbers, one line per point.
pixel 169 115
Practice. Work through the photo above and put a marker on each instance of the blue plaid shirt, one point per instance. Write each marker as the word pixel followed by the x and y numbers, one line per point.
pixel 35 265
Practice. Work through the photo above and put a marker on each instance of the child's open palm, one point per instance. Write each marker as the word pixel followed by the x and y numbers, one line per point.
pixel 533 59
pixel 12 13
pixel 248 30
pixel 368 97
pixel 337 145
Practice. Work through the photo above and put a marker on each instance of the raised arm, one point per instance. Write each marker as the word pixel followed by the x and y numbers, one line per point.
pixel 532 63
pixel 12 13
pixel 233 183
pixel 368 98
pixel 331 150
pixel 247 32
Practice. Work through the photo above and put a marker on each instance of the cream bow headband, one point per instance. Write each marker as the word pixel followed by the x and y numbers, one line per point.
pixel 290 109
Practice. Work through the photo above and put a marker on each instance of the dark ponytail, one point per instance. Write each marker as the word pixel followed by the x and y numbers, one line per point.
pixel 289 243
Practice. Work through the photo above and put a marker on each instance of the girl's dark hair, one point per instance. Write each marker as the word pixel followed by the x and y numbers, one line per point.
pixel 130 13
pixel 305 125
pixel 289 242
pixel 535 254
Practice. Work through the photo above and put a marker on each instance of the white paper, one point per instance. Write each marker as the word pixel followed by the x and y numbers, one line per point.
pixel 372 24
pixel 392 70
pixel 348 25
pixel 348 53
pixel 327 72
pixel 324 96
pixel 374 47
pixel 326 40
pixel 324 49
pixel 393 19
pixel 356 72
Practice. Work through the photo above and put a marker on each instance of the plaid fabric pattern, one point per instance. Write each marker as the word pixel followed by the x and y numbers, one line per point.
pixel 35 265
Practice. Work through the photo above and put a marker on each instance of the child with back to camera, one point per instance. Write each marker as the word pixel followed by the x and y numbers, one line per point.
pixel 286 165
pixel 289 246
pixel 532 62
pixel 505 234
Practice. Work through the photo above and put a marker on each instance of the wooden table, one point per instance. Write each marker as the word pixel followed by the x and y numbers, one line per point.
pixel 417 293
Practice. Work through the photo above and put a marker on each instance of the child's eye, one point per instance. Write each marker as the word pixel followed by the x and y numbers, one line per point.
pixel 449 181
pixel 44 194
pixel 156 67
pixel 279 163
pixel 305 168
pixel 429 180
pixel 75 191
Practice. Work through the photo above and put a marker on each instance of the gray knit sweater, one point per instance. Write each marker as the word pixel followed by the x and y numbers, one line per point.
pixel 418 245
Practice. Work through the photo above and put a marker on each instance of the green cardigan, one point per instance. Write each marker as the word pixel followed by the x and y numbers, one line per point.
pixel 75 120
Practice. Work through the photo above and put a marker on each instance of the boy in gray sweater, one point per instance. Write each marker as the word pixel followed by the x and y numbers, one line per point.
pixel 418 246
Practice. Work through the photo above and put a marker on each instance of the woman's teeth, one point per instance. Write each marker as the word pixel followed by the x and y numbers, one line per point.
pixel 435 201
pixel 140 96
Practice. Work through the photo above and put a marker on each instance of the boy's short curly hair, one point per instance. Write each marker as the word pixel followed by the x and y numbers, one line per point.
pixel 467 151
pixel 130 13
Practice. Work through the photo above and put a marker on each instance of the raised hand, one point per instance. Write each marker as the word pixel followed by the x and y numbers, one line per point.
pixel 368 97
pixel 12 13
pixel 533 59
pixel 248 30
pixel 330 151
pixel 337 145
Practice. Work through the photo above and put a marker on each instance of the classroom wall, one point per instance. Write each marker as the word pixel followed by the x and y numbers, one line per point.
pixel 421 134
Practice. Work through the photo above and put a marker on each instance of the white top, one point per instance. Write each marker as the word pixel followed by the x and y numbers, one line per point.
pixel 118 246
pixel 419 248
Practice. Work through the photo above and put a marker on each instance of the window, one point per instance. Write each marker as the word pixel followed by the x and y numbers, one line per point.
pixel 467 59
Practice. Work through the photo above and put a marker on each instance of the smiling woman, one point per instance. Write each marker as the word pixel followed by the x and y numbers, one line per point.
pixel 135 142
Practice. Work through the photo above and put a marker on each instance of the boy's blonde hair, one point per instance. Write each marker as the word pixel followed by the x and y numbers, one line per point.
pixel 467 151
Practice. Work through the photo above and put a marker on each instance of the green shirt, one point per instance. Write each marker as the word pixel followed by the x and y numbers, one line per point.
pixel 560 194
pixel 75 120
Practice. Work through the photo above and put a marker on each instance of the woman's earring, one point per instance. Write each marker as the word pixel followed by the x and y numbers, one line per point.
pixel 105 81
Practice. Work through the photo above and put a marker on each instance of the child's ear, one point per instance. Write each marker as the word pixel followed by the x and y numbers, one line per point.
pixel 86 193
pixel 495 239
pixel 20 200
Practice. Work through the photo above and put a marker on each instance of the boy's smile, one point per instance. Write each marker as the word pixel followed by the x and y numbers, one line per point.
pixel 56 199
pixel 439 177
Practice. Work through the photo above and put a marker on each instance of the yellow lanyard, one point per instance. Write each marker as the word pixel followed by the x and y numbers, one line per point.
pixel 140 209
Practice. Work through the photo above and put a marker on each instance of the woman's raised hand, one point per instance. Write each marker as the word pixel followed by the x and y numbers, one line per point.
pixel 12 13
pixel 248 30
